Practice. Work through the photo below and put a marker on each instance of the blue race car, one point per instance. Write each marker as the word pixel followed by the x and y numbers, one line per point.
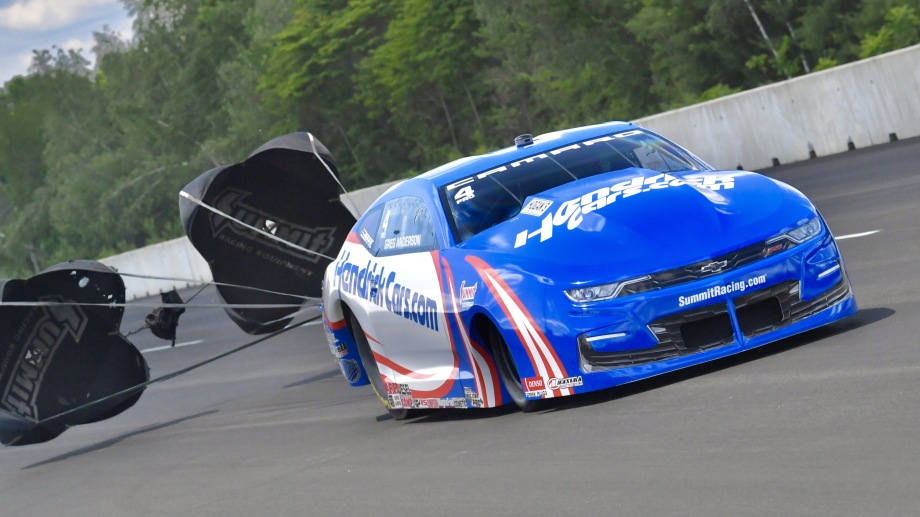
pixel 572 262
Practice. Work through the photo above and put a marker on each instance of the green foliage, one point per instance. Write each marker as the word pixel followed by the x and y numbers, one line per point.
pixel 91 160
pixel 824 63
pixel 901 29
pixel 719 90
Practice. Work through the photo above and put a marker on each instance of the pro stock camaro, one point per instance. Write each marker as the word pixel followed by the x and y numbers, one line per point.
pixel 572 262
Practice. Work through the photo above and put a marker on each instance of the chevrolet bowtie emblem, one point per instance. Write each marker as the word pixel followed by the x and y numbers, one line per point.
pixel 714 267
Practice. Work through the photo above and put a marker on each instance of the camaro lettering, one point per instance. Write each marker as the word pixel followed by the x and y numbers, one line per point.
pixel 383 290
pixel 571 213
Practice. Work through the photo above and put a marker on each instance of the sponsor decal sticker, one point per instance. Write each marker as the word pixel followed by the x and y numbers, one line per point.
pixel 773 249
pixel 405 395
pixel 374 284
pixel 474 399
pixel 467 294
pixel 536 207
pixel 339 349
pixel 534 384
pixel 563 383
pixel 366 237
pixel 534 387
pixel 571 213
pixel 350 369
pixel 721 290
pixel 394 397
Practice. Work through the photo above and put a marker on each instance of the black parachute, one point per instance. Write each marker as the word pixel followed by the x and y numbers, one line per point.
pixel 286 188
pixel 60 356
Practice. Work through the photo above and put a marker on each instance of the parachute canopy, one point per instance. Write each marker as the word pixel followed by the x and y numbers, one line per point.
pixel 286 189
pixel 59 356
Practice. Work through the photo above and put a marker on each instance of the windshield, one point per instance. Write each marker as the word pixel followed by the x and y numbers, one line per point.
pixel 482 200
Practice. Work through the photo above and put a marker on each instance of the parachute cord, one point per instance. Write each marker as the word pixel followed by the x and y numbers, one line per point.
pixel 354 207
pixel 196 281
pixel 139 387
pixel 155 305
pixel 192 297
pixel 264 233
pixel 144 327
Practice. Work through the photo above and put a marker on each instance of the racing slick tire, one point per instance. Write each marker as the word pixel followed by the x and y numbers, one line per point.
pixel 509 373
pixel 373 372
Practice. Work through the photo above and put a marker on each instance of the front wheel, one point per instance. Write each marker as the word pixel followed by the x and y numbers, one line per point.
pixel 509 373
pixel 373 373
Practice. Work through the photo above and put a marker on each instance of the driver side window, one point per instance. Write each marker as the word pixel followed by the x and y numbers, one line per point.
pixel 405 227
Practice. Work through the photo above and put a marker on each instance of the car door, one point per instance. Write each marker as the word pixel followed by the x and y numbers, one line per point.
pixel 408 330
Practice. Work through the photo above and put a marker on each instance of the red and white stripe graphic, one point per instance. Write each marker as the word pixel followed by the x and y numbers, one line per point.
pixel 483 370
pixel 542 356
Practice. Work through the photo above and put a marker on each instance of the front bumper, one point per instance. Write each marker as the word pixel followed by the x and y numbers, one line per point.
pixel 668 329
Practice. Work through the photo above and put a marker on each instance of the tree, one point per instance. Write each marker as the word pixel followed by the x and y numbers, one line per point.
pixel 901 29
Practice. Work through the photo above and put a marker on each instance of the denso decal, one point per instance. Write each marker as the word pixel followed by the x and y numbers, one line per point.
pixel 534 387
pixel 571 212
pixel 383 290
pixel 533 384
pixel 561 384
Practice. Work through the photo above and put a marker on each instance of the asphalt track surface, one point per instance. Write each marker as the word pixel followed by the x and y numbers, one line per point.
pixel 825 423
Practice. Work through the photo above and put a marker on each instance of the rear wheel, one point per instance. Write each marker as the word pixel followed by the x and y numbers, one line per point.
pixel 373 373
pixel 509 372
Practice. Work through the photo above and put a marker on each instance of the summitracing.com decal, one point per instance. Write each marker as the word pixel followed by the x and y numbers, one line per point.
pixel 721 290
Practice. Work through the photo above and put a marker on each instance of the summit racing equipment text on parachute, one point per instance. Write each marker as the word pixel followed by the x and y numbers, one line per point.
pixel 572 262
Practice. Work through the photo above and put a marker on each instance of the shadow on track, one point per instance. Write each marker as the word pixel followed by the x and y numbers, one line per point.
pixel 862 318
pixel 318 377
pixel 112 441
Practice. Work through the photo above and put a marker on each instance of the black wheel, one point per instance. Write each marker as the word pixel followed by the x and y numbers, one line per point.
pixel 509 372
pixel 373 373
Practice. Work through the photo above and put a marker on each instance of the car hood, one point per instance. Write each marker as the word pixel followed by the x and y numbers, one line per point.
pixel 639 221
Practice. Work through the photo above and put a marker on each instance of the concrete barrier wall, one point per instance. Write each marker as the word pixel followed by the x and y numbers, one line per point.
pixel 176 259
pixel 862 103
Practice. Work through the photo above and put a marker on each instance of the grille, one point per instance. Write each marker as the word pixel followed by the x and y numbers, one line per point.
pixel 678 334
pixel 709 267
pixel 769 309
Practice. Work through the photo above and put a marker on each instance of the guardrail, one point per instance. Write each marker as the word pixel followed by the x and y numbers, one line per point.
pixel 851 106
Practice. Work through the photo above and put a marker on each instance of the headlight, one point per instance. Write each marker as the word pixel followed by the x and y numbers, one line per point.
pixel 596 293
pixel 805 232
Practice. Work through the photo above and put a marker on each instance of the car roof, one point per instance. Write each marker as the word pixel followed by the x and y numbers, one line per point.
pixel 458 169
pixel 428 183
